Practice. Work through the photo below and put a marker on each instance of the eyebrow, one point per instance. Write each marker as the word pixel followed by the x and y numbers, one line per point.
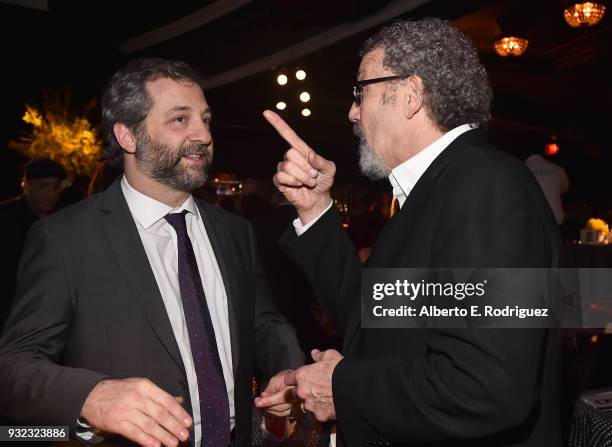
pixel 208 110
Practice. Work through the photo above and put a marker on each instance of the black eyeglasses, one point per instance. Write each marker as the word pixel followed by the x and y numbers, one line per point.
pixel 358 88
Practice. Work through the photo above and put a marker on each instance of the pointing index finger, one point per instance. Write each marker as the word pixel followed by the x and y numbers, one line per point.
pixel 286 132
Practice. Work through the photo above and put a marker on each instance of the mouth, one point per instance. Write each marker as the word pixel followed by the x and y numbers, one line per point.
pixel 195 157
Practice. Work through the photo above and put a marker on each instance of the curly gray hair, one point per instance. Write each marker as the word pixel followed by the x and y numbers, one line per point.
pixel 457 89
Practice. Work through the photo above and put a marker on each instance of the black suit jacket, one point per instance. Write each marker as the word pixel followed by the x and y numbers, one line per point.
pixel 88 307
pixel 473 207
pixel 16 218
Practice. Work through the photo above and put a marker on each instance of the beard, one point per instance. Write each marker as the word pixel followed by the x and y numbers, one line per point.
pixel 161 163
pixel 370 163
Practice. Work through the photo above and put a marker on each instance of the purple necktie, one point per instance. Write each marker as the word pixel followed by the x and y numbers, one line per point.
pixel 214 404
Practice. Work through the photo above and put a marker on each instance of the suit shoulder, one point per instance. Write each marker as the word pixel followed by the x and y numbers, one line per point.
pixel 73 218
pixel 485 163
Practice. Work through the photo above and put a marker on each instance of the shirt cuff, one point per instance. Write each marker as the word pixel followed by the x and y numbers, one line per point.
pixel 267 434
pixel 301 229
pixel 84 432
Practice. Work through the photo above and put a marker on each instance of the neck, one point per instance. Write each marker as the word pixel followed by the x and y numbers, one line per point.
pixel 419 139
pixel 152 188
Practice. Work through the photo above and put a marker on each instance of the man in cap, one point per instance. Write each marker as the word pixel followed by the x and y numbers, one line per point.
pixel 41 188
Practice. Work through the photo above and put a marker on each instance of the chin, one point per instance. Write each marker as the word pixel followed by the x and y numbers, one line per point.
pixel 192 183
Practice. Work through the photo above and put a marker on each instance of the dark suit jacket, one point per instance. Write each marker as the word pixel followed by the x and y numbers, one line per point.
pixel 88 307
pixel 16 218
pixel 473 207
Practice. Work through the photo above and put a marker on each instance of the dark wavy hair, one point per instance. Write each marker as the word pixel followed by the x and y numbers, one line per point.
pixel 126 99
pixel 457 89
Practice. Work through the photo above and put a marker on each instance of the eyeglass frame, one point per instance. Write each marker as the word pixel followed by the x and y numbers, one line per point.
pixel 358 87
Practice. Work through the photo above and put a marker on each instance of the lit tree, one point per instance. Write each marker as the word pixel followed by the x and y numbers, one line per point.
pixel 61 135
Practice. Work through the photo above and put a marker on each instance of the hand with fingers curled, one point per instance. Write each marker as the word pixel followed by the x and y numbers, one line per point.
pixel 304 177
pixel 313 384
pixel 278 399
pixel 139 410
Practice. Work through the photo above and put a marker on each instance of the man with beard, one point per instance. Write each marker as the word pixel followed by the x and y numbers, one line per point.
pixel 421 100
pixel 141 311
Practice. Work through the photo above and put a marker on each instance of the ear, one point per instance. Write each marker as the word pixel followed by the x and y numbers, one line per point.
pixel 415 92
pixel 125 137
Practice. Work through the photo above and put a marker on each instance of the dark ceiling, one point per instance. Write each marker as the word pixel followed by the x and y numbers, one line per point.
pixel 560 86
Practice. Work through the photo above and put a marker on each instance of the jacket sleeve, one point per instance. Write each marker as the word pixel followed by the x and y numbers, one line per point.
pixel 34 387
pixel 329 261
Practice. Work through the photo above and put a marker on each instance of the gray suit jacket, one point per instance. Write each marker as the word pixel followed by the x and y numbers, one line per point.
pixel 88 307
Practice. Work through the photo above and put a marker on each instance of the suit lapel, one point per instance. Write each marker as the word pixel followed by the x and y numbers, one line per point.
pixel 122 235
pixel 222 251
pixel 400 227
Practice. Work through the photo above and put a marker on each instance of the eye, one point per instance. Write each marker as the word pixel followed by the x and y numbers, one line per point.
pixel 180 119
pixel 206 119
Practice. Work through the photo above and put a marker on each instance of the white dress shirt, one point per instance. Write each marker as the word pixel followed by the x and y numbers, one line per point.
pixel 160 244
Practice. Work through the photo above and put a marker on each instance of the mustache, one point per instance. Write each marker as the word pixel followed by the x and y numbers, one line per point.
pixel 357 131
pixel 193 149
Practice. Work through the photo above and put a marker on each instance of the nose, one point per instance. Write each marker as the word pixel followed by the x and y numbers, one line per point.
pixel 48 193
pixel 201 134
pixel 354 113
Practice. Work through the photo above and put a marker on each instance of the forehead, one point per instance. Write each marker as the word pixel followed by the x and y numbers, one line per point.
pixel 169 93
pixel 372 64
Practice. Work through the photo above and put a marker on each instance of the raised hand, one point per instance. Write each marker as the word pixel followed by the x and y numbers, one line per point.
pixel 139 410
pixel 304 177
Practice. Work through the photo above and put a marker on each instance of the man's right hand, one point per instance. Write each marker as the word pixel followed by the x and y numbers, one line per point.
pixel 304 177
pixel 139 410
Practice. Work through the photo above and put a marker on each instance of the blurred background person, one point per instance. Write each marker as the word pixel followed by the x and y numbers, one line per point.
pixel 41 187
pixel 253 206
pixel 553 180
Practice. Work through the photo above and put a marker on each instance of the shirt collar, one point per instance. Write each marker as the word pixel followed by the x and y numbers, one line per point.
pixel 405 175
pixel 147 211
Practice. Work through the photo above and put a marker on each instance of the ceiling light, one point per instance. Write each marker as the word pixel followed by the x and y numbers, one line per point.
pixel 306 112
pixel 281 105
pixel 584 14
pixel 300 75
pixel 511 46
pixel 282 79
pixel 304 96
